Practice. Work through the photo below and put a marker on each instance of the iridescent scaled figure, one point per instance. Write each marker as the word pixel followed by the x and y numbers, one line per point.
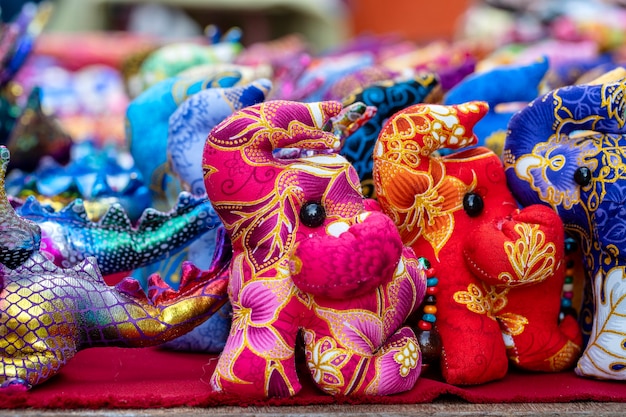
pixel 19 237
pixel 47 313
pixel 69 236
pixel 308 258
pixel 567 150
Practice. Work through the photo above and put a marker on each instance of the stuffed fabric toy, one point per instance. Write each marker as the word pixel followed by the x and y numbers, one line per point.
pixel 191 122
pixel 147 122
pixel 327 70
pixel 48 313
pixel 36 134
pixel 307 258
pixel 358 81
pixel 551 158
pixel 99 176
pixel 501 269
pixel 188 128
pixel 388 97
pixel 170 60
pixel 501 85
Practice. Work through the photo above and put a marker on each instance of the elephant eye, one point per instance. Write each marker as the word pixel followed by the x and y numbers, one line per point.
pixel 473 204
pixel 582 176
pixel 312 214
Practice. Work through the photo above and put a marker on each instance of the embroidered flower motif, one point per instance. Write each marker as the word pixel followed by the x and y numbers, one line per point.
pixel 424 203
pixel 491 303
pixel 256 306
pixel 325 361
pixel 532 258
pixel 407 358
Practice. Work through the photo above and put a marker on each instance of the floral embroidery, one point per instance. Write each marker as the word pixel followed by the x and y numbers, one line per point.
pixel 490 304
pixel 479 303
pixel 407 358
pixel 325 361
pixel 531 257
pixel 349 342
pixel 255 309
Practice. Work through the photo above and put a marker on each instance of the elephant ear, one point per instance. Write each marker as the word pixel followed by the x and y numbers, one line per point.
pixel 604 356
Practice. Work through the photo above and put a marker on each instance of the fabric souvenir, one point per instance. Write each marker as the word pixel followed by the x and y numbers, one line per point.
pixel 500 269
pixel 275 52
pixel 569 72
pixel 49 313
pixel 170 60
pixel 72 232
pixel 288 57
pixel 69 236
pixel 447 60
pixel 36 134
pixel 18 38
pixel 20 237
pixel 89 103
pixel 387 97
pixel 188 129
pixel 147 122
pixel 358 81
pixel 247 73
pixel 503 85
pixel 307 257
pixel 566 150
pixel 330 69
pixel 192 121
pixel 98 176
pixel 83 311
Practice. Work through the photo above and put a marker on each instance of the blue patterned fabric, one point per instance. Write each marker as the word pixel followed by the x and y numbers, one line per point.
pixel 147 121
pixel 566 150
pixel 189 126
pixel 505 84
pixel 388 97
pixel 191 123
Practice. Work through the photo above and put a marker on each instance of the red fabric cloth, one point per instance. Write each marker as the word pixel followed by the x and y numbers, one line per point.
pixel 154 378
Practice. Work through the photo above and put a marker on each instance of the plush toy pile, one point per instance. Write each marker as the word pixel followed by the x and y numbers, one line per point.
pixel 354 216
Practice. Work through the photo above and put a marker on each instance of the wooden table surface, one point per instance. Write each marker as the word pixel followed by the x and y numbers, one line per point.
pixel 441 408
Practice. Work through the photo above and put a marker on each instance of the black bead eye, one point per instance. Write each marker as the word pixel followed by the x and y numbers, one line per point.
pixel 582 176
pixel 473 204
pixel 312 214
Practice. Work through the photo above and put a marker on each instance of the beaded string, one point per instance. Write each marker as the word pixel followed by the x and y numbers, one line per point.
pixel 429 310
pixel 568 286
pixel 427 334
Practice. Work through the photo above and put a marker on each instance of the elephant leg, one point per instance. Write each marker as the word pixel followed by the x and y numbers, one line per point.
pixel 546 348
pixel 339 369
pixel 473 349
pixel 258 362
pixel 26 371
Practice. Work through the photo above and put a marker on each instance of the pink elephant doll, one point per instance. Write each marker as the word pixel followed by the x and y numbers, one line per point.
pixel 309 259
pixel 501 269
